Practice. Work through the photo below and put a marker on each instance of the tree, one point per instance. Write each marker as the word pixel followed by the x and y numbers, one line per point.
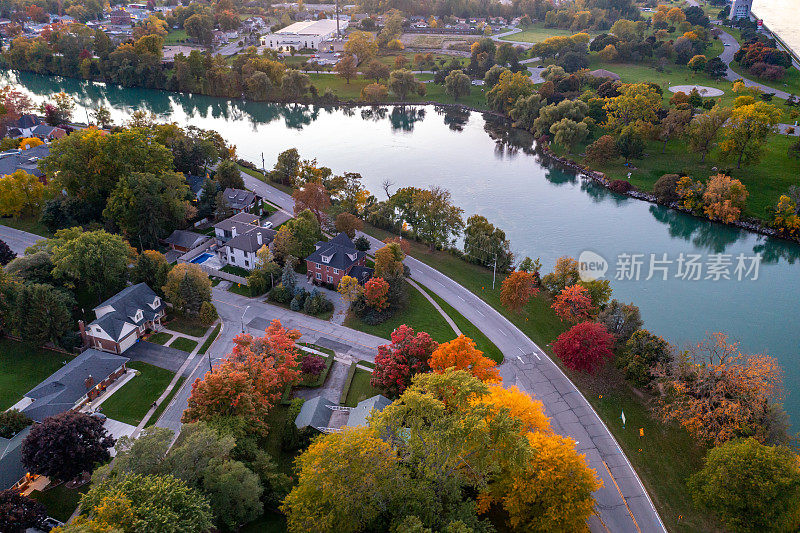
pixel 568 133
pixel 362 44
pixel 785 218
pixel 457 84
pixel 517 290
pixel 665 188
pixel 102 115
pixel 698 63
pixel 262 277
pixel 95 259
pixel 294 84
pixel 573 304
pixel 20 194
pixel 187 288
pixel 208 314
pixel 487 245
pixel 348 224
pixel 510 87
pixel 134 502
pixel 704 128
pixel 350 289
pixel 439 221
pixel 526 109
pixel 716 69
pixel 402 82
pixel 228 175
pixel 637 103
pixel 234 493
pixel 564 274
pixel 718 394
pixel 12 422
pixel 389 261
pixel 746 131
pixel 287 167
pixel 346 68
pixel 151 268
pixel 749 486
pixel 145 454
pixel 585 347
pixel 602 150
pixel 284 243
pixel 375 70
pixel 352 496
pixel 643 351
pixel 6 254
pixel 66 445
pixel 621 320
pixel 461 354
pixel 724 198
pixel 18 512
pixel 674 125
pixel 46 315
pixel 313 197
pixel 376 292
pixel 396 363
pixel 306 232
pixel 200 27
pixel 149 207
pixel 630 144
pixel 374 92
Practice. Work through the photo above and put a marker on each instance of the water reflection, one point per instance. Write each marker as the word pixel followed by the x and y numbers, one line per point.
pixel 454 117
pixel 600 194
pixel 403 118
pixel 715 238
pixel 508 141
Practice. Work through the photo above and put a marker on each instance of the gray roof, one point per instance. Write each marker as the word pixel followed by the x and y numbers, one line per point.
pixel 240 221
pixel 28 121
pixel 125 304
pixel 186 239
pixel 26 160
pixel 43 130
pixel 195 184
pixel 340 252
pixel 362 273
pixel 238 198
pixel 314 413
pixel 59 392
pixel 359 413
pixel 249 241
pixel 11 468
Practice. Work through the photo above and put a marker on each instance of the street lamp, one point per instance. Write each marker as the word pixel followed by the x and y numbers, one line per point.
pixel 245 311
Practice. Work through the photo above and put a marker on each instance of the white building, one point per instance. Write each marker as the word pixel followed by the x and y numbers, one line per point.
pixel 740 9
pixel 240 238
pixel 301 35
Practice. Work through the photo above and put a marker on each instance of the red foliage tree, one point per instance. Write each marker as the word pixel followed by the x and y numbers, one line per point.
pixel 517 289
pixel 574 304
pixel 396 363
pixel 376 293
pixel 18 512
pixel 585 347
pixel 250 380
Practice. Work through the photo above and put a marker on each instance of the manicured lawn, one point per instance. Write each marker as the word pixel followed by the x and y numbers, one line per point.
pixel 29 224
pixel 360 389
pixel 669 456
pixel 22 367
pixel 131 402
pixel 207 344
pixel 537 32
pixel 236 271
pixel 241 290
pixel 160 410
pixel 182 343
pixel 175 36
pixel 790 82
pixel 60 501
pixel 159 338
pixel 419 314
pixel 320 379
pixel 187 326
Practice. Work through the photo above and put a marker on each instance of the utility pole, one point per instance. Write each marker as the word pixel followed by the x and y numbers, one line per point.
pixel 338 33
pixel 494 270
pixel 263 166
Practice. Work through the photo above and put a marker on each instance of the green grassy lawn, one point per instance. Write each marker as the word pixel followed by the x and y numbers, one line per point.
pixel 235 270
pixel 22 367
pixel 207 344
pixel 790 82
pixel 159 338
pixel 537 32
pixel 668 455
pixel 360 389
pixel 132 401
pixel 60 501
pixel 182 343
pixel 419 314
pixel 29 224
pixel 160 410
pixel 241 290
pixel 175 36
pixel 187 326
pixel 469 329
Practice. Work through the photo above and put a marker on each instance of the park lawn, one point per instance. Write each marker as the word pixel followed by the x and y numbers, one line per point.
pixel 360 388
pixel 175 36
pixel 182 343
pixel 22 367
pixel 210 340
pixel 60 501
pixel 536 33
pixel 468 328
pixel 419 314
pixel 29 224
pixel 131 402
pixel 187 326
pixel 163 405
pixel 161 338
pixel 670 456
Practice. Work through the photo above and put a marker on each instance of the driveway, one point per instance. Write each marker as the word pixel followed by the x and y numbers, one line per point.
pixel 18 240
pixel 161 356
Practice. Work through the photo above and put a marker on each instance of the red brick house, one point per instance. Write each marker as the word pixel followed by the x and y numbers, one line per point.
pixel 334 259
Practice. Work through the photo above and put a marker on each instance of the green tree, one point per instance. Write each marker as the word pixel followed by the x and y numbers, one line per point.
pixel 151 268
pixel 751 487
pixel 439 220
pixel 402 82
pixel 526 110
pixel 568 133
pixel 703 129
pixel 746 131
pixel 483 243
pixel 643 351
pixel 630 144
pixel 228 175
pixel 46 316
pixel 375 70
pixel 457 84
pixel 294 84
pixel 200 27
pixel 306 233
pixel 187 288
pixel 207 203
pixel 234 492
pixel 287 167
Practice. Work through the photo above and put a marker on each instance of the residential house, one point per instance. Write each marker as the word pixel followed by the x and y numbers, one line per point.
pixel 120 17
pixel 48 133
pixel 327 417
pixel 240 200
pixel 183 241
pixel 240 238
pixel 13 473
pixel 238 224
pixel 123 319
pixel 195 185
pixel 334 259
pixel 27 160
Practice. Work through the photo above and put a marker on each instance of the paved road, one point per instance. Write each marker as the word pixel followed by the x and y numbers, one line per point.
pixel 529 368
pixel 727 56
pixel 18 240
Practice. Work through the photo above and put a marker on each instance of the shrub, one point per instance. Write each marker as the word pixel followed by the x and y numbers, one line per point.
pixel 208 314
pixel 620 186
pixel 312 365
pixel 666 188
pixel 280 294
pixel 602 150
pixel 12 422
pixel 317 304
pixel 297 303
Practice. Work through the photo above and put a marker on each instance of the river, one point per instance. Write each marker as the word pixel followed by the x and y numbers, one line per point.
pixel 545 212
pixel 780 16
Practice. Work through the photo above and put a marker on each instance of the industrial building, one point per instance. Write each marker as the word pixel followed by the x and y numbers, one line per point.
pixel 302 35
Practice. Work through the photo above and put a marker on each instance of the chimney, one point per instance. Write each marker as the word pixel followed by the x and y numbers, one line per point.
pixel 82 329
pixel 233 231
pixel 89 383
pixel 259 238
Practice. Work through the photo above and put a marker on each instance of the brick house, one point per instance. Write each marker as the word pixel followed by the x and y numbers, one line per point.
pixel 334 259
pixel 123 319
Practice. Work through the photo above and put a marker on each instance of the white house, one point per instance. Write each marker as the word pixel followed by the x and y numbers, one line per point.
pixel 308 34
pixel 240 238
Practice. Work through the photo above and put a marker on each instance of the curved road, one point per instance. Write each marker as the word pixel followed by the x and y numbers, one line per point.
pixel 622 503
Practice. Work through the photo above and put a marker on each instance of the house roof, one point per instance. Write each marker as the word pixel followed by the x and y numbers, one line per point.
pixel 44 130
pixel 238 221
pixel 238 198
pixel 64 387
pixel 195 183
pixel 248 242
pixel 26 160
pixel 362 273
pixel 186 239
pixel 339 252
pixel 125 304
pixel 28 121
pixel 11 467
pixel 314 413
pixel 359 413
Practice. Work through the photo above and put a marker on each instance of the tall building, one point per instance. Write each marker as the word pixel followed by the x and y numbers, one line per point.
pixel 740 9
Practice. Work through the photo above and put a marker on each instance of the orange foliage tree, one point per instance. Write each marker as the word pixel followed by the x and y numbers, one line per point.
pixel 724 198
pixel 461 354
pixel 313 197
pixel 250 379
pixel 718 393
pixel 574 304
pixel 376 293
pixel 517 289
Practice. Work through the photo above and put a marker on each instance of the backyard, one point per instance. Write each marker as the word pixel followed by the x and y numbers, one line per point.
pixel 22 367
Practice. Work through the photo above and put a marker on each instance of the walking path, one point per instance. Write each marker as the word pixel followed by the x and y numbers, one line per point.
pixel 435 305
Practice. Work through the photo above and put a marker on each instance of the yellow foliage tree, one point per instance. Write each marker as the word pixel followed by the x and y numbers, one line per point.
pixel 724 198
pixel 20 194
pixel 518 405
pixel 785 219
pixel 389 261
pixel 30 142
pixel 461 354
pixel 637 105
pixel 350 289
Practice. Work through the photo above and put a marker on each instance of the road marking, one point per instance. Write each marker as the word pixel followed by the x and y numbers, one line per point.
pixel 478 311
pixel 521 350
pixel 623 498
pixel 537 356
pixel 462 299
pixel 503 332
pixel 520 359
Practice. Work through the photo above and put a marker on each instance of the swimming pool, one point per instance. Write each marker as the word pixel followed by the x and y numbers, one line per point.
pixel 202 258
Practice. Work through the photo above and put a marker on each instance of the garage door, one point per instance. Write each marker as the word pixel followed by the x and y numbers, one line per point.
pixel 127 342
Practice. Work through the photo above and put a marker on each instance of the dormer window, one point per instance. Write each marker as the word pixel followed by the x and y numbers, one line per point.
pixel 156 302
pixel 352 256
pixel 326 258
pixel 138 315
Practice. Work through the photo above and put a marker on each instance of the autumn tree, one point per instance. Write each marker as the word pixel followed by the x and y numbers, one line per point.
pixel 509 88
pixel 462 354
pixel 187 287
pixel 724 198
pixel 18 513
pixel 621 320
pixel 66 445
pixel 313 197
pixel 376 292
pixel 396 363
pixel 457 84
pixel 346 68
pixel 563 275
pixel 350 289
pixel 637 104
pixel 746 131
pixel 673 125
pixel 785 218
pixel 375 70
pixel 362 44
pixel 517 290
pixel 749 486
pixel 643 352
pixel 20 194
pixel 698 63
pixel 348 224
pixel 704 128
pixel 374 92
pixel 573 304
pixel 585 347
pixel 602 151
pixel 389 261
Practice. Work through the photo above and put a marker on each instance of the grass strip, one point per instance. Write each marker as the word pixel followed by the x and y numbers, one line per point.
pixel 210 339
pixel 182 343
